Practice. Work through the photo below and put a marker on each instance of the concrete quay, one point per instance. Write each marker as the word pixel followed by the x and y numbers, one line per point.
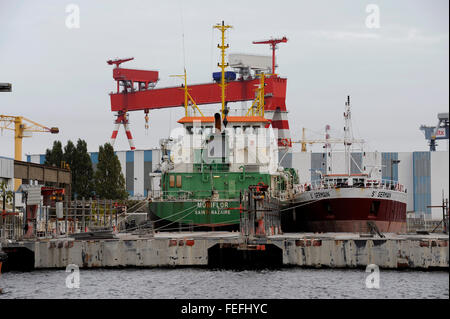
pixel 226 249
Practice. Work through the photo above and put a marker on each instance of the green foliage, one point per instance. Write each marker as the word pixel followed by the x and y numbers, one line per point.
pixel 83 181
pixel 69 155
pixel 54 156
pixel 79 162
pixel 108 178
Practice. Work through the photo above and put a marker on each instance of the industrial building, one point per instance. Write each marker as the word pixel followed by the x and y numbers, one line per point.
pixel 425 175
pixel 7 172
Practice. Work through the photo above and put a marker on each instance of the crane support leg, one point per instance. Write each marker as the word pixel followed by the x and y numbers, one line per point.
pixel 130 138
pixel 122 118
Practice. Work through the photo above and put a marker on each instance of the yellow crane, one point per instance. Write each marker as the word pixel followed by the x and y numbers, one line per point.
pixel 22 127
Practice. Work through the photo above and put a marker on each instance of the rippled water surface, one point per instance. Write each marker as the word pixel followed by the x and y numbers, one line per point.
pixel 205 283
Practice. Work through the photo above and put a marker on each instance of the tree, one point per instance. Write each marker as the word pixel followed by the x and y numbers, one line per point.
pixel 108 178
pixel 79 163
pixel 54 156
pixel 82 171
pixel 69 154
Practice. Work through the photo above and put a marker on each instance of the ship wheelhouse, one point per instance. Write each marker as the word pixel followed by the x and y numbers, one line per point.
pixel 209 159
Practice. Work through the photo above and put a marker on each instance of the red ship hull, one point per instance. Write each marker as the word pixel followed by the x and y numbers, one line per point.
pixel 347 214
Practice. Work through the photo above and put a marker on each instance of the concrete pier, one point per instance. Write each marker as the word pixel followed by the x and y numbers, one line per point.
pixel 334 250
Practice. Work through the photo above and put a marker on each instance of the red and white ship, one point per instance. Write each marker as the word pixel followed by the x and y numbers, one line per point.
pixel 347 202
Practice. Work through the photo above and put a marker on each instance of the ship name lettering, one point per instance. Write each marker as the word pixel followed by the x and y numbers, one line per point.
pixel 321 195
pixel 384 195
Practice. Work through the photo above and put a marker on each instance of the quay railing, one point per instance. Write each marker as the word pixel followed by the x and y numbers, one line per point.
pixel 63 219
pixel 414 224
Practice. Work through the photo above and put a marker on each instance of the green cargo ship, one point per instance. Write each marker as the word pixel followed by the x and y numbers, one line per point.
pixel 203 179
pixel 207 168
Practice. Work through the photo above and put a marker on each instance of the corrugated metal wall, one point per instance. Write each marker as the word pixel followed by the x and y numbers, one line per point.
pixel 387 165
pixel 422 182
pixel 148 156
pixel 405 176
pixel 439 180
pixel 129 177
pixel 6 167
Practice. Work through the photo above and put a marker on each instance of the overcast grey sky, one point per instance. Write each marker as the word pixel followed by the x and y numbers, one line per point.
pixel 397 75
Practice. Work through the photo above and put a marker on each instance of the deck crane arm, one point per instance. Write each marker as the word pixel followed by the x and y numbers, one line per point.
pixel 273 45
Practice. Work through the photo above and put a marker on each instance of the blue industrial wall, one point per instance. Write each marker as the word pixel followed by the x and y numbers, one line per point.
pixel 386 162
pixel 422 182
pixel 148 168
pixel 129 178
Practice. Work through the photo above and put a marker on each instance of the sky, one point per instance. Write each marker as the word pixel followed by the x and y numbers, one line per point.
pixel 397 74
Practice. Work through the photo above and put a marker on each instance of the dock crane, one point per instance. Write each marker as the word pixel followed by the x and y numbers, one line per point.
pixel 137 91
pixel 22 127
pixel 438 132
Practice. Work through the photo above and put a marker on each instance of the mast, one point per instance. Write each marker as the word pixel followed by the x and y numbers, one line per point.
pixel 348 134
pixel 222 27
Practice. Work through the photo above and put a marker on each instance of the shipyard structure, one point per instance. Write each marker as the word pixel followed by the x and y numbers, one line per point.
pixel 229 191
pixel 423 174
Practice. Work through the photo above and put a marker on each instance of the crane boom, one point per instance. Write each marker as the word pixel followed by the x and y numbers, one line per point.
pixel 21 125
pixel 273 45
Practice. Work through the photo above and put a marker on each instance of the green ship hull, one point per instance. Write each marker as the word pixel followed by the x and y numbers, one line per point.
pixel 204 180
pixel 194 203
pixel 198 212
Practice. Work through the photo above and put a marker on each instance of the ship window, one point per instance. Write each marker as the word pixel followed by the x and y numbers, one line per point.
pixel 178 180
pixel 374 208
pixel 247 129
pixel 171 181
pixel 189 129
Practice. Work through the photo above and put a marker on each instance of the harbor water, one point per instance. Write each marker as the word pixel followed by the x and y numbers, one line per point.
pixel 192 283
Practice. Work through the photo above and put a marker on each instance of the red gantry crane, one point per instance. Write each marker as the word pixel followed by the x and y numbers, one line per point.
pixel 136 92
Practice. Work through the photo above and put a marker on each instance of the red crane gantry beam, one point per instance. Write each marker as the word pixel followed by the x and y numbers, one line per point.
pixel 144 98
pixel 209 93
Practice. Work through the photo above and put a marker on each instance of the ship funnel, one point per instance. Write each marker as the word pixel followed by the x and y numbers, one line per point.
pixel 217 121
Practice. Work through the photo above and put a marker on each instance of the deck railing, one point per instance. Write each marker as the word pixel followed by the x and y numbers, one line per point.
pixel 181 195
pixel 375 184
